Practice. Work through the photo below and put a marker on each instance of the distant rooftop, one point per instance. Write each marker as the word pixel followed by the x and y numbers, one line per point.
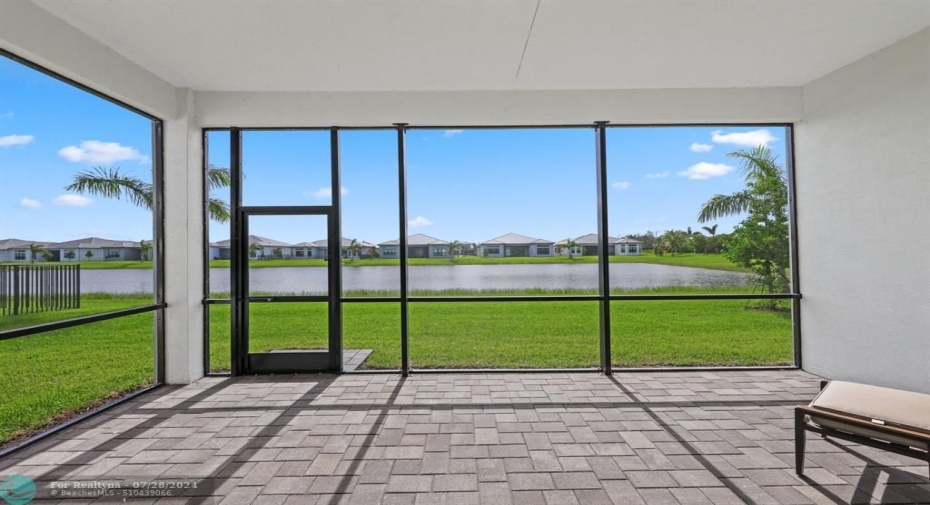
pixel 418 240
pixel 516 239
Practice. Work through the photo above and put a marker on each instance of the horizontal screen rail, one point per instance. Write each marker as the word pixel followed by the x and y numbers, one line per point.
pixel 78 321
pixel 528 298
pixel 721 296
pixel 288 299
pixel 519 298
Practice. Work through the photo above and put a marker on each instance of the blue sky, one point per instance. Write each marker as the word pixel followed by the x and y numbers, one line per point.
pixel 468 185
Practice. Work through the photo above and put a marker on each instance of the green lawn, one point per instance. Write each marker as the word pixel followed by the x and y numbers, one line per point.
pixel 48 375
pixel 712 261
pixel 93 303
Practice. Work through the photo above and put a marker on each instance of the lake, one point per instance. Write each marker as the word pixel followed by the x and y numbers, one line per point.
pixel 470 277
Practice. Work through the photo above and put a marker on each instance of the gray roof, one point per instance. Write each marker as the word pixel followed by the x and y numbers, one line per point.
pixel 346 242
pixel 15 243
pixel 516 239
pixel 94 243
pixel 590 240
pixel 254 239
pixel 418 239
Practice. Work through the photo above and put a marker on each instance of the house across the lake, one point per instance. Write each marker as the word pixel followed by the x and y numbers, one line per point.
pixel 586 245
pixel 259 248
pixel 418 246
pixel 96 249
pixel 515 245
pixel 267 248
pixel 319 249
pixel 16 250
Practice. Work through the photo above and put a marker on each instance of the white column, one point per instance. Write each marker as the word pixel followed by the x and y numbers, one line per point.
pixel 183 245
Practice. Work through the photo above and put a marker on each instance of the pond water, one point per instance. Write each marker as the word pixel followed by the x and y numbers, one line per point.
pixel 541 276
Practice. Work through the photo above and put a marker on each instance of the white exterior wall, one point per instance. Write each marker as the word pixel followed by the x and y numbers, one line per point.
pixel 432 251
pixel 10 255
pixel 863 172
pixel 535 252
pixel 732 105
pixel 183 245
pixel 484 248
pixel 618 251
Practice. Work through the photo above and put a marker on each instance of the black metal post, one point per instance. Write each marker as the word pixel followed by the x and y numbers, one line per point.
pixel 335 257
pixel 793 240
pixel 402 247
pixel 16 295
pixel 158 246
pixel 238 265
pixel 205 211
pixel 603 244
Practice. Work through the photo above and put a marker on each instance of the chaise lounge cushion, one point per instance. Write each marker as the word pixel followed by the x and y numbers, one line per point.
pixel 893 407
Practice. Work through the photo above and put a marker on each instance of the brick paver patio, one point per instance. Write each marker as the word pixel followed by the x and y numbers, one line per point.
pixel 676 437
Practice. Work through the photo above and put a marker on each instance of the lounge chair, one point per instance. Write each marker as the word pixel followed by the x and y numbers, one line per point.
pixel 884 418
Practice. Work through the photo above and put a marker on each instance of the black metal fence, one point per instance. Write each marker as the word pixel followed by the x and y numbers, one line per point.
pixel 26 289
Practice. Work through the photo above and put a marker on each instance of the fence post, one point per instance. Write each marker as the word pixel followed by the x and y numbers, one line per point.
pixel 15 290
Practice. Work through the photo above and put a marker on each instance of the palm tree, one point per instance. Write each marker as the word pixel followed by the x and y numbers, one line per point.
pixel 110 183
pixel 568 244
pixel 455 248
pixel 711 230
pixel 253 250
pixel 761 241
pixel 759 167
pixel 674 240
pixel 144 248
pixel 354 249
pixel 37 249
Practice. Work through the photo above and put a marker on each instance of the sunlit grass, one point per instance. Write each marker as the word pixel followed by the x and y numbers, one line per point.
pixel 52 374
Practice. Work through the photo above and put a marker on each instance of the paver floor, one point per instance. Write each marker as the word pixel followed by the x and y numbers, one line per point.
pixel 548 438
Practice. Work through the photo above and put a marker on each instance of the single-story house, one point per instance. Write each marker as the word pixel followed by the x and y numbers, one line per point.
pixel 587 246
pixel 628 247
pixel 320 249
pixel 513 245
pixel 219 250
pixel 16 250
pixel 97 249
pixel 418 246
pixel 259 248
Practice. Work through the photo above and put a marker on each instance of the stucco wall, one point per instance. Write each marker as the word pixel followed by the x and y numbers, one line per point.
pixel 731 105
pixel 863 185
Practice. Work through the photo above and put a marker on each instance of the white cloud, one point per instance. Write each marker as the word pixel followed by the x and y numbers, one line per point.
pixel 326 193
pixel 7 115
pixel 29 203
pixel 419 221
pixel 658 175
pixel 754 138
pixel 72 200
pixel 704 170
pixel 621 185
pixel 701 148
pixel 95 151
pixel 16 140
pixel 451 133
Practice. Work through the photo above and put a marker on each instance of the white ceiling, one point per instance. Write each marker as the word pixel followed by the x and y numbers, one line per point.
pixel 407 45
